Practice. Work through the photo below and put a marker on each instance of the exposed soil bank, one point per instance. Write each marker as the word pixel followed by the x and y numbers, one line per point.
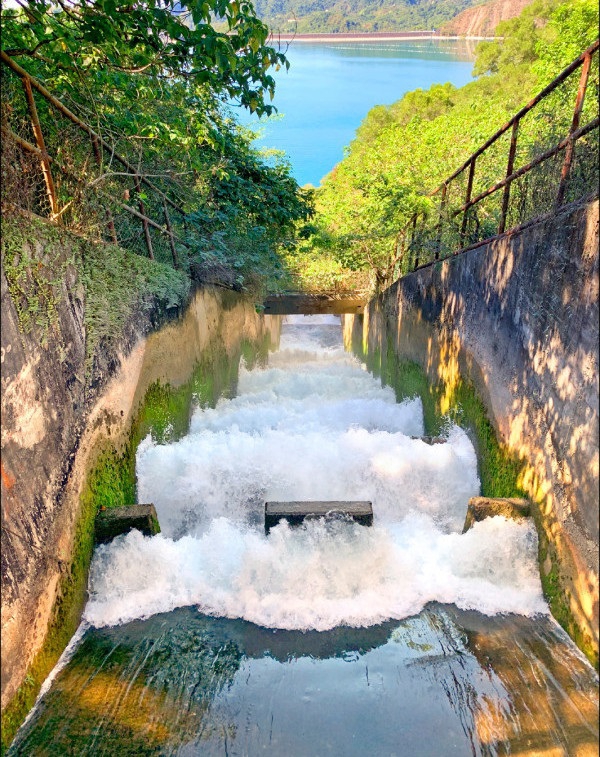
pixel 510 331
pixel 68 441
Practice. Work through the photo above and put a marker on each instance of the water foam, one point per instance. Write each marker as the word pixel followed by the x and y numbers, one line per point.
pixel 313 424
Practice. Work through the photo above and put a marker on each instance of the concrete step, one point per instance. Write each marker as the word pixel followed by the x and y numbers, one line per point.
pixel 296 512
pixel 480 508
pixel 114 521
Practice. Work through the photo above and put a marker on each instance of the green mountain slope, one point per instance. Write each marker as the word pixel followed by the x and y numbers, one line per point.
pixel 309 16
pixel 403 151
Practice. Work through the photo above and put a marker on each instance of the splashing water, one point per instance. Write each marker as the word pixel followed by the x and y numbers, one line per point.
pixel 312 425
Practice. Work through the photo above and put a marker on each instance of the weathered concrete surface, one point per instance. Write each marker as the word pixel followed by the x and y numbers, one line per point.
pixel 313 304
pixel 297 512
pixel 53 421
pixel 480 508
pixel 519 319
pixel 115 521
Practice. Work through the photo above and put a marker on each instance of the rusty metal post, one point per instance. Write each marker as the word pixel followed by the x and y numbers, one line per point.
pixel 570 149
pixel 39 138
pixel 509 170
pixel 412 239
pixel 145 226
pixel 463 227
pixel 171 239
pixel 438 243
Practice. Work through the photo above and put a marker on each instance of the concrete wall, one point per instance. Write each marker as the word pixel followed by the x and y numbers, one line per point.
pixel 52 422
pixel 518 318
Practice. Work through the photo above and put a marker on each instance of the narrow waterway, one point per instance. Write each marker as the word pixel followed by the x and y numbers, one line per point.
pixel 408 638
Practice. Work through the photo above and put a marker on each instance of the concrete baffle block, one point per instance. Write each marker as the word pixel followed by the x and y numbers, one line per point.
pixel 480 508
pixel 115 521
pixel 297 512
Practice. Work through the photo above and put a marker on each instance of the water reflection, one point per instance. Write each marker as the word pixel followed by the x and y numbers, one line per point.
pixel 445 682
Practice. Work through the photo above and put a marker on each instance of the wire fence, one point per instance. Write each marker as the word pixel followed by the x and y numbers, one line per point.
pixel 56 165
pixel 551 152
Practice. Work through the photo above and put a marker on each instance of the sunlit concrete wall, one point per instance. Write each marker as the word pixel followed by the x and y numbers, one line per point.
pixel 519 319
pixel 53 419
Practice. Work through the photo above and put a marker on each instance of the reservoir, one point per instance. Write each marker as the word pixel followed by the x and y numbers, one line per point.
pixel 404 638
pixel 329 89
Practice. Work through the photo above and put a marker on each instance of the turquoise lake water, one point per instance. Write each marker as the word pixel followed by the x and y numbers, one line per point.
pixel 329 89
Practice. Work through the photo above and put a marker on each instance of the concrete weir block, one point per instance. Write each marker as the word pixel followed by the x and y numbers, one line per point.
pixel 115 521
pixel 297 512
pixel 480 508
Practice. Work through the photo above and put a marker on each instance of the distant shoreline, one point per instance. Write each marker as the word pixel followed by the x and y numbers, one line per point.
pixel 370 37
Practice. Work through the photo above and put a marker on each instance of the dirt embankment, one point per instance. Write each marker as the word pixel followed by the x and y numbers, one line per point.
pixel 481 20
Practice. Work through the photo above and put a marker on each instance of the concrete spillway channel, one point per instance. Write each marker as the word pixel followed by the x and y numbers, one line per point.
pixel 387 632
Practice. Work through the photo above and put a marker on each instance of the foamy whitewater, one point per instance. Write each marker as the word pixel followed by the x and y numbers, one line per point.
pixel 312 425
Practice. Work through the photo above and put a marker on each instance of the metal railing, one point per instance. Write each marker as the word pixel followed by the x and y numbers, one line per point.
pixel 463 222
pixel 68 172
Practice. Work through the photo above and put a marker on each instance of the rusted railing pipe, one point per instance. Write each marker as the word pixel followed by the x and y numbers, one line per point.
pixel 524 169
pixel 39 138
pixel 510 167
pixel 82 125
pixel 463 226
pixel 525 109
pixel 438 243
pixel 570 149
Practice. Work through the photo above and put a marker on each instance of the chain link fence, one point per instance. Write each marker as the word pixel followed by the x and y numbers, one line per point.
pixel 551 152
pixel 57 166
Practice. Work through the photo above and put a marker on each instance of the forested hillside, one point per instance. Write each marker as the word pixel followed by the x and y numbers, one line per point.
pixel 474 17
pixel 403 151
pixel 308 16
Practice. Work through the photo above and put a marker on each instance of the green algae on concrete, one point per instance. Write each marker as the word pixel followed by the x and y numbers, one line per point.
pixel 501 472
pixel 165 414
pixel 66 614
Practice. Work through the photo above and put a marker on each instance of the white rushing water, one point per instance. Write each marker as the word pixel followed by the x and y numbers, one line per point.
pixel 312 425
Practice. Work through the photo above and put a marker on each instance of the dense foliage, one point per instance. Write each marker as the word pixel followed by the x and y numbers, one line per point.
pixel 159 83
pixel 403 151
pixel 308 16
pixel 156 37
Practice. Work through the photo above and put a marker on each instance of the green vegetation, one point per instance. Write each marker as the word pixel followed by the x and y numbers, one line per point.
pixel 403 151
pixel 157 81
pixel 120 286
pixel 38 261
pixel 300 16
pixel 35 281
pixel 158 39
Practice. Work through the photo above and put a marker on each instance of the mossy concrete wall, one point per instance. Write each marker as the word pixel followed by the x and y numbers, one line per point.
pixel 56 418
pixel 517 320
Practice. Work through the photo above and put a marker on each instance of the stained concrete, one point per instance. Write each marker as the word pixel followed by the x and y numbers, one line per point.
pixel 295 513
pixel 518 318
pixel 480 508
pixel 116 521
pixel 54 418
pixel 313 304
